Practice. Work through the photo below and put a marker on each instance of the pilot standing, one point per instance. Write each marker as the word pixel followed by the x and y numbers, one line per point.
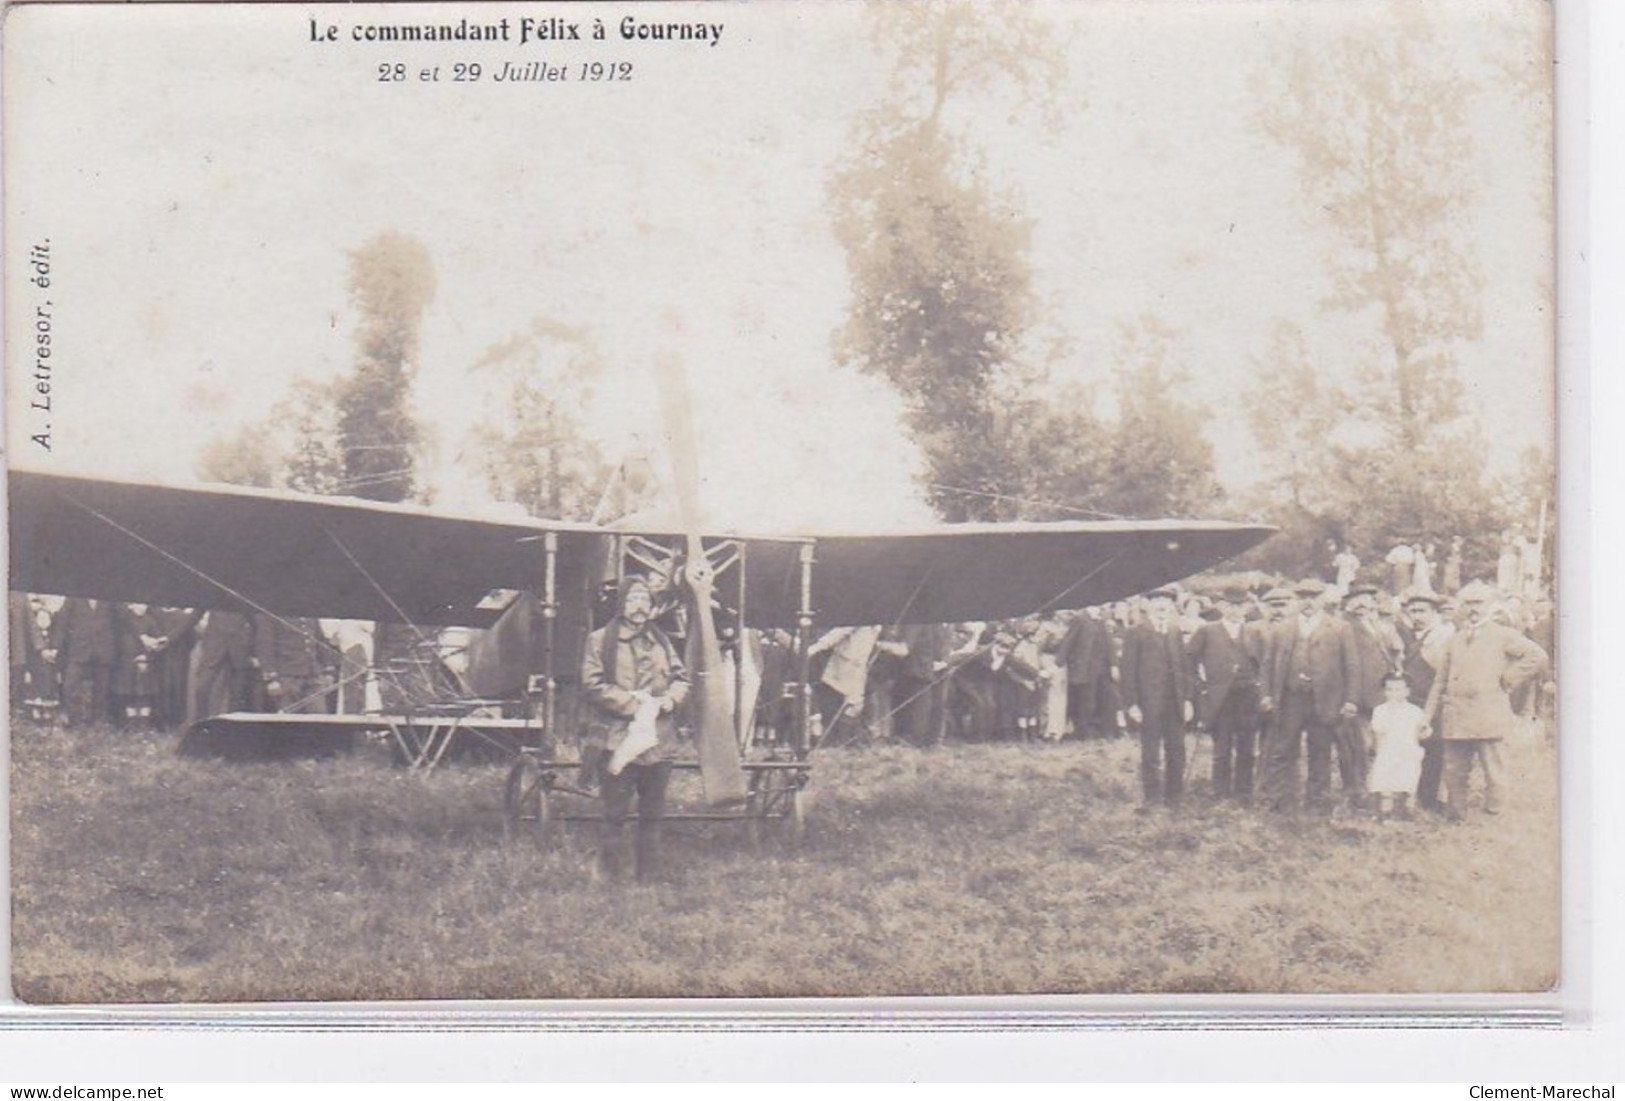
pixel 633 680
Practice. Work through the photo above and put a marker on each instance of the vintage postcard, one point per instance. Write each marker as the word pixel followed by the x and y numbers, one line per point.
pixel 713 500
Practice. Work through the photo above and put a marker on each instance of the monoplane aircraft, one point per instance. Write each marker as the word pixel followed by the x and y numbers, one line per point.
pixel 533 587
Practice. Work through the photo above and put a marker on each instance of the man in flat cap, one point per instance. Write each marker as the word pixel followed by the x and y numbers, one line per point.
pixel 1425 635
pixel 1483 665
pixel 1157 698
pixel 1310 685
pixel 1377 647
pixel 1229 657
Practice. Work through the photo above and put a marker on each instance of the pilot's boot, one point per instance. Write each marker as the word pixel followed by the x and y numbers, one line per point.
pixel 649 864
pixel 613 857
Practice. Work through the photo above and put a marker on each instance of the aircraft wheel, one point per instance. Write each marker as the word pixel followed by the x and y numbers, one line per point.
pixel 796 822
pixel 787 804
pixel 526 801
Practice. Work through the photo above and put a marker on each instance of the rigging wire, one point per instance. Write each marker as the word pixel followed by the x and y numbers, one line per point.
pixel 1056 505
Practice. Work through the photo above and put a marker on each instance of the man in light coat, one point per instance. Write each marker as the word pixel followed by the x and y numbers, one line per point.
pixel 1484 664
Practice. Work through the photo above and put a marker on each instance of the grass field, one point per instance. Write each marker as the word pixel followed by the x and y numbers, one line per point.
pixel 140 876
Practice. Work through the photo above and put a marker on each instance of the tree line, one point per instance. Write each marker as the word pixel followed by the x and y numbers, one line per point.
pixel 943 307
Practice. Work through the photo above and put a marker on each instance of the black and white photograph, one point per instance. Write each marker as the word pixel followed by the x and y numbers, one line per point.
pixel 925 499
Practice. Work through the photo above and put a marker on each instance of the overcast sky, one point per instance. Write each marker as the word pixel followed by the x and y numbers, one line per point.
pixel 202 171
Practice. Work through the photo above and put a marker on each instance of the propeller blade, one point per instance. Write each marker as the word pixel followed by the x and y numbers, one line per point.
pixel 678 416
pixel 711 703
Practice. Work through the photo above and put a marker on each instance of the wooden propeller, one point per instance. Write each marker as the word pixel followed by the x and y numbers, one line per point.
pixel 711 702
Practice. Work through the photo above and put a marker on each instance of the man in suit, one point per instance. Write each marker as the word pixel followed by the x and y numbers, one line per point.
pixel 1229 657
pixel 293 661
pixel 222 666
pixel 85 641
pixel 1310 685
pixel 1157 698
pixel 1086 652
pixel 1424 636
pixel 171 663
pixel 920 689
pixel 1377 646
pixel 1483 665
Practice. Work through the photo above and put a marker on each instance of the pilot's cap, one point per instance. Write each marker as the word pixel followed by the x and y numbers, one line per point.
pixel 633 583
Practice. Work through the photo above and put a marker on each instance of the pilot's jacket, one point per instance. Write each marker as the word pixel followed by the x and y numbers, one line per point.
pixel 617 663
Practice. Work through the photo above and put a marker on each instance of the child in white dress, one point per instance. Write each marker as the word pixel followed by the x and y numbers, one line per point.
pixel 1397 728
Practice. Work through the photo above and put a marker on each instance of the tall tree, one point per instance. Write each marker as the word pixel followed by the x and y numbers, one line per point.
pixel 941 299
pixel 295 447
pixel 391 283
pixel 533 450
pixel 1380 135
pixel 1376 121
pixel 1294 414
pixel 245 457
pixel 306 425
pixel 1159 460
pixel 941 284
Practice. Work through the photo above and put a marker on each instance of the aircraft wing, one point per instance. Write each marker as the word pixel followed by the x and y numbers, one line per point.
pixel 292 554
pixel 345 558
pixel 999 571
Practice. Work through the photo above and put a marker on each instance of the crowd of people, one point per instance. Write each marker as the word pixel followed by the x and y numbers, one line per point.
pixel 1397 683
pixel 81 661
pixel 1333 670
